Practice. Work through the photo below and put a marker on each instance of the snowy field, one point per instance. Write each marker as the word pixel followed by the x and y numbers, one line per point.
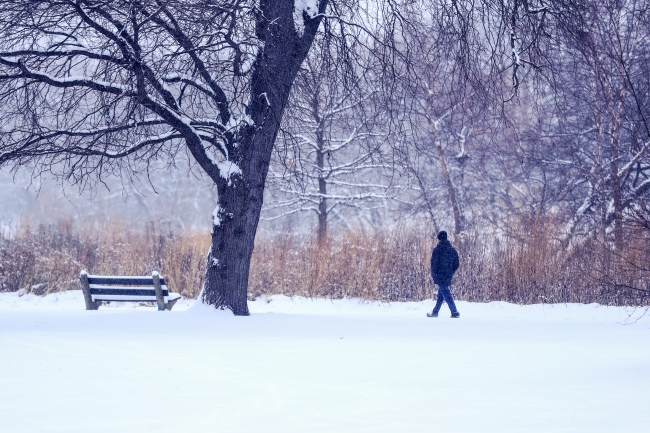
pixel 300 365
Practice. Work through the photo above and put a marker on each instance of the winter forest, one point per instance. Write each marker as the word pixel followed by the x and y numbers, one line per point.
pixel 324 216
pixel 315 148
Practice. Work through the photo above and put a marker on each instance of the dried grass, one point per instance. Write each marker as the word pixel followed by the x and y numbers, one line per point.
pixel 381 266
pixel 48 258
pixel 526 265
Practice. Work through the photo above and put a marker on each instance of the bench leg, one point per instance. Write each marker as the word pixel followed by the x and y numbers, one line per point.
pixel 158 290
pixel 85 288
pixel 169 305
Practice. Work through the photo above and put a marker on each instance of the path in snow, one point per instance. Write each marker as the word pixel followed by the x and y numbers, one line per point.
pixel 321 366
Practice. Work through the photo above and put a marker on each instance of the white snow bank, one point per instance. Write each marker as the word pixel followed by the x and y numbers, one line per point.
pixel 302 365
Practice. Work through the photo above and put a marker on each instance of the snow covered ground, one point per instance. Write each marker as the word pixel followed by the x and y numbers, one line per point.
pixel 301 365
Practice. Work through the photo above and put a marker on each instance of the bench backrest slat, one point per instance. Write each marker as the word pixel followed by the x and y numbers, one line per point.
pixel 131 291
pixel 123 281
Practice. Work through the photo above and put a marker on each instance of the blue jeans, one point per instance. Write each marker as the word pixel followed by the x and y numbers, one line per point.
pixel 444 294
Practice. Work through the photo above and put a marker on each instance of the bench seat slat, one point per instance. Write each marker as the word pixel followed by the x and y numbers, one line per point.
pixel 122 291
pixel 133 298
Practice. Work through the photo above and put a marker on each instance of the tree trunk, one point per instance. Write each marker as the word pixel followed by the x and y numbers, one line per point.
pixel 322 188
pixel 427 200
pixel 458 225
pixel 445 174
pixel 241 193
pixel 233 237
pixel 434 125
pixel 616 183
pixel 322 212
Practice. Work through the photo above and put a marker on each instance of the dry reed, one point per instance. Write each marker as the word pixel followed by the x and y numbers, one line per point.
pixel 48 258
pixel 526 265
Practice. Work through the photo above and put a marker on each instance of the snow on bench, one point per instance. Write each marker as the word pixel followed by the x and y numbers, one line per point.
pixel 98 288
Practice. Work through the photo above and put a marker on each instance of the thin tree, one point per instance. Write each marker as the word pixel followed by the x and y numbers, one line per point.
pixel 329 156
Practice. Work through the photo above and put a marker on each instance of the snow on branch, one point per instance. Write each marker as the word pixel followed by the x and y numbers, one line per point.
pixel 68 81
pixel 103 82
pixel 636 158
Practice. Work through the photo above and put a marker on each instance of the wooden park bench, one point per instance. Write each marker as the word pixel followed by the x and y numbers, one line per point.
pixel 98 288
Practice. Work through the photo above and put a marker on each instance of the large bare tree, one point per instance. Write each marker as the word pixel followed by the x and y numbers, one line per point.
pixel 90 87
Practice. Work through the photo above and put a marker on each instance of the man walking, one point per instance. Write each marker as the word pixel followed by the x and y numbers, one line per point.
pixel 444 263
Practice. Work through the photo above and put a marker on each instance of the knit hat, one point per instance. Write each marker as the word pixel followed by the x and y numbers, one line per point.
pixel 442 236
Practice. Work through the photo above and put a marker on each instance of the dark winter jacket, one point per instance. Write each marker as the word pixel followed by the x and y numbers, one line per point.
pixel 444 262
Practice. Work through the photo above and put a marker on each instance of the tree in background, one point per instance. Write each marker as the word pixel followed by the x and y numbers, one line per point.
pixel 607 63
pixel 466 70
pixel 585 139
pixel 330 154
